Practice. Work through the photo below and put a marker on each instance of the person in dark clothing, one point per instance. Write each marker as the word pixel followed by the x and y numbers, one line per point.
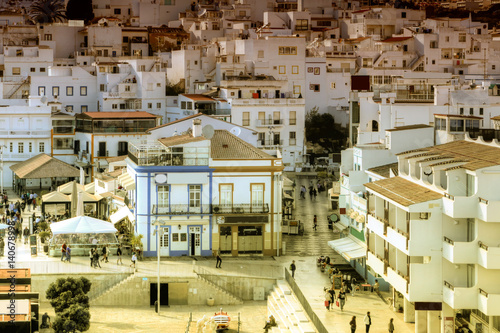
pixel 119 254
pixel 96 258
pixel 219 262
pixel 293 268
pixel 315 223
pixel 332 293
pixel 45 321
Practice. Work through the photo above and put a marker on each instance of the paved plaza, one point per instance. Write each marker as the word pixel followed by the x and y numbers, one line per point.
pixel 303 249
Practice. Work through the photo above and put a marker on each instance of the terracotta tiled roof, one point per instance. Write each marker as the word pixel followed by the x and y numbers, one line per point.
pixel 198 97
pixel 457 116
pixel 408 127
pixel 129 114
pixel 473 154
pixel 116 158
pixel 180 139
pixel 396 39
pixel 44 166
pixel 402 191
pixel 225 145
pixel 384 170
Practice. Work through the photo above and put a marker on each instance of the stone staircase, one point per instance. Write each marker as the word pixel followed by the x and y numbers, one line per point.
pixel 109 296
pixel 220 296
pixel 288 312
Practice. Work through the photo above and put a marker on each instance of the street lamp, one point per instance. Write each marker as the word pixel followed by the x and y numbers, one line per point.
pixel 1 167
pixel 157 232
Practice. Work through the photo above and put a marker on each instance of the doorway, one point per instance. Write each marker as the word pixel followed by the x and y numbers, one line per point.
pixel 164 249
pixel 153 293
pixel 194 241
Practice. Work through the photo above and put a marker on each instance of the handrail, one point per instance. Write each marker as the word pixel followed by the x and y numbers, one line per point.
pixel 449 241
pixel 483 246
pixel 404 233
pixel 482 292
pixel 481 200
pixel 449 285
pixel 189 321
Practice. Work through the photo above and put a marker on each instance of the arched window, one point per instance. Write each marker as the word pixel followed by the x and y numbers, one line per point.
pixel 374 126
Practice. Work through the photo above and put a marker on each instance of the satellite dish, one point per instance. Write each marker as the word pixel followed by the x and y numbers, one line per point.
pixel 208 131
pixel 43 99
pixel 202 12
pixel 161 178
pixel 235 131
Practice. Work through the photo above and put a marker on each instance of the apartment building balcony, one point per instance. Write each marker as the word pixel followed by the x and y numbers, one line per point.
pixel 460 297
pixel 460 252
pixel 241 209
pixel 488 210
pixel 459 206
pixel 398 238
pixel 17 157
pixel 398 280
pixel 22 134
pixel 489 303
pixel 377 225
pixel 180 209
pixel 269 122
pixel 269 144
pixel 153 153
pixel 267 101
pixel 488 256
pixel 341 54
pixel 376 262
pixel 409 95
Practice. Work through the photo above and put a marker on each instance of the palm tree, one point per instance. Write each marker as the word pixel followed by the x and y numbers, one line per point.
pixel 47 11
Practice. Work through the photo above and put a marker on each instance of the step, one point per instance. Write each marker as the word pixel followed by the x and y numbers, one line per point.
pixel 284 288
pixel 301 317
pixel 306 328
pixel 293 303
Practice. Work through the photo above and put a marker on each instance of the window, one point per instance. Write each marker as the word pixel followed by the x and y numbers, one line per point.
pixel 69 108
pixel 301 25
pixel 295 69
pixel 447 38
pixel 461 37
pixel 41 91
pixel 403 14
pixel 32 69
pixel 150 105
pixel 471 111
pixel 314 87
pixel 114 106
pixel 194 195
pixel 261 138
pixel 481 111
pixel 11 147
pixel 41 147
pixel 287 50
pixel 125 39
pixel 69 91
pixel 183 237
pixel 163 195
pixel 332 85
pixel 189 105
pixel 158 105
pixel 433 62
pixel 226 194
pixel 456 125
pixel 246 119
pixel 433 44
pixel 293 117
pixel 461 110
pixel 117 11
pixel 493 67
pixel 16 70
pixel 257 194
pixel 175 237
pixel 260 54
pixel 282 69
pixel 30 147
pixel 47 37
pixel 83 91
pixel 276 118
pixel 183 105
pixel 292 139
pixel 42 69
pixel 20 147
pixel 55 91
pixel 63 143
pixel 84 108
pixel 471 185
pixel 296 90
pixel 102 87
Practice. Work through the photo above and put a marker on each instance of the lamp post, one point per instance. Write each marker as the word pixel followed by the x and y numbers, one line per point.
pixel 158 231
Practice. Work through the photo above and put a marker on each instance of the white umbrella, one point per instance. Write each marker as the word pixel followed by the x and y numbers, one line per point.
pixel 82 225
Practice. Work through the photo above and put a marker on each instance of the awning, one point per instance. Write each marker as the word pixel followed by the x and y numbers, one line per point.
pixel 348 248
pixel 126 181
pixel 287 196
pixel 82 225
pixel 120 214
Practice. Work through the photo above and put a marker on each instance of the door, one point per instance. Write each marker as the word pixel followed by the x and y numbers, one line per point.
pixel 102 149
pixel 226 240
pixel 153 293
pixel 194 241
pixel 164 248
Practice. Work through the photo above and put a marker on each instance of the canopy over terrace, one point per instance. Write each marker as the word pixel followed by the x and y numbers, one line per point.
pixel 41 170
pixel 58 204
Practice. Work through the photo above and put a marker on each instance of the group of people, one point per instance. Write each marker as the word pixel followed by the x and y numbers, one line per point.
pixel 65 253
pixel 367 320
pixel 330 298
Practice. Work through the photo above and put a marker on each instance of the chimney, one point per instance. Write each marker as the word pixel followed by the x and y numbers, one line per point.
pixel 196 127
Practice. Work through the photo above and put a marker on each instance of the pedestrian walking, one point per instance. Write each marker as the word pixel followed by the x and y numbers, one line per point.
pixel 315 193
pixel 391 325
pixel 26 233
pixel 342 299
pixel 303 191
pixel 328 300
pixel 315 223
pixel 368 321
pixel 96 258
pixel 353 324
pixel 68 253
pixel 376 287
pixel 219 261
pixel 104 253
pixel 332 294
pixel 133 259
pixel 63 252
pixel 311 192
pixel 293 268
pixel 91 256
pixel 119 254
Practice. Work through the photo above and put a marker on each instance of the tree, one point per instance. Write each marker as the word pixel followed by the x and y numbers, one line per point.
pixel 75 318
pixel 321 129
pixel 47 11
pixel 79 10
pixel 69 299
